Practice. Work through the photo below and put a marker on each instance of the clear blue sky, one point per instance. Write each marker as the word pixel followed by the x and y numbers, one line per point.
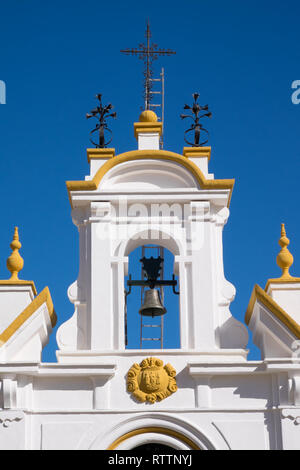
pixel 242 56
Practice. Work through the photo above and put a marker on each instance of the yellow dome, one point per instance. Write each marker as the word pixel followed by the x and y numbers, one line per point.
pixel 148 116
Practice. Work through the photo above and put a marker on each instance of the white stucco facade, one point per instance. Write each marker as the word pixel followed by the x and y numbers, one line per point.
pixel 223 401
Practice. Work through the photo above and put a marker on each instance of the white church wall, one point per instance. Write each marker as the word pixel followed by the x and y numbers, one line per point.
pixel 61 394
pixel 12 430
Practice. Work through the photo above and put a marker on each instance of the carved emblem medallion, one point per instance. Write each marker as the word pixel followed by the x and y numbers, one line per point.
pixel 151 381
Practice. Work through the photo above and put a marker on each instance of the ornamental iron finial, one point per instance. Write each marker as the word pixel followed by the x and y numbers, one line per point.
pixel 101 113
pixel 197 114
pixel 15 262
pixel 285 259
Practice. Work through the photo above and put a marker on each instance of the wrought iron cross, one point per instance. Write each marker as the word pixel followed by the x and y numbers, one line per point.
pixel 148 53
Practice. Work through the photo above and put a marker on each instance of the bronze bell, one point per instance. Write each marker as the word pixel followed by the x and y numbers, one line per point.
pixel 152 304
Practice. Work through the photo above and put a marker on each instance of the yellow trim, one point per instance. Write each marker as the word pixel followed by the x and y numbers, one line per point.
pixel 260 295
pixel 99 154
pixel 197 152
pixel 92 185
pixel 147 128
pixel 282 280
pixel 43 297
pixel 155 430
pixel 19 283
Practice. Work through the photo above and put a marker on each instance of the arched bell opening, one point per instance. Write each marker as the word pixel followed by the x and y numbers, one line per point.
pixel 151 300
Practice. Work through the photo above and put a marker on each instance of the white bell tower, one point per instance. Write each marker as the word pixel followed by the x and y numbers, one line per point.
pixel 150 196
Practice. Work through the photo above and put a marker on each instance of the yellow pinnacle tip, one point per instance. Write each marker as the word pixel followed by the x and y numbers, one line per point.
pixel 285 259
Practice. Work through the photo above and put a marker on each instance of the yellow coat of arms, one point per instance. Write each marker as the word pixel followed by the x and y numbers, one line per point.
pixel 151 381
